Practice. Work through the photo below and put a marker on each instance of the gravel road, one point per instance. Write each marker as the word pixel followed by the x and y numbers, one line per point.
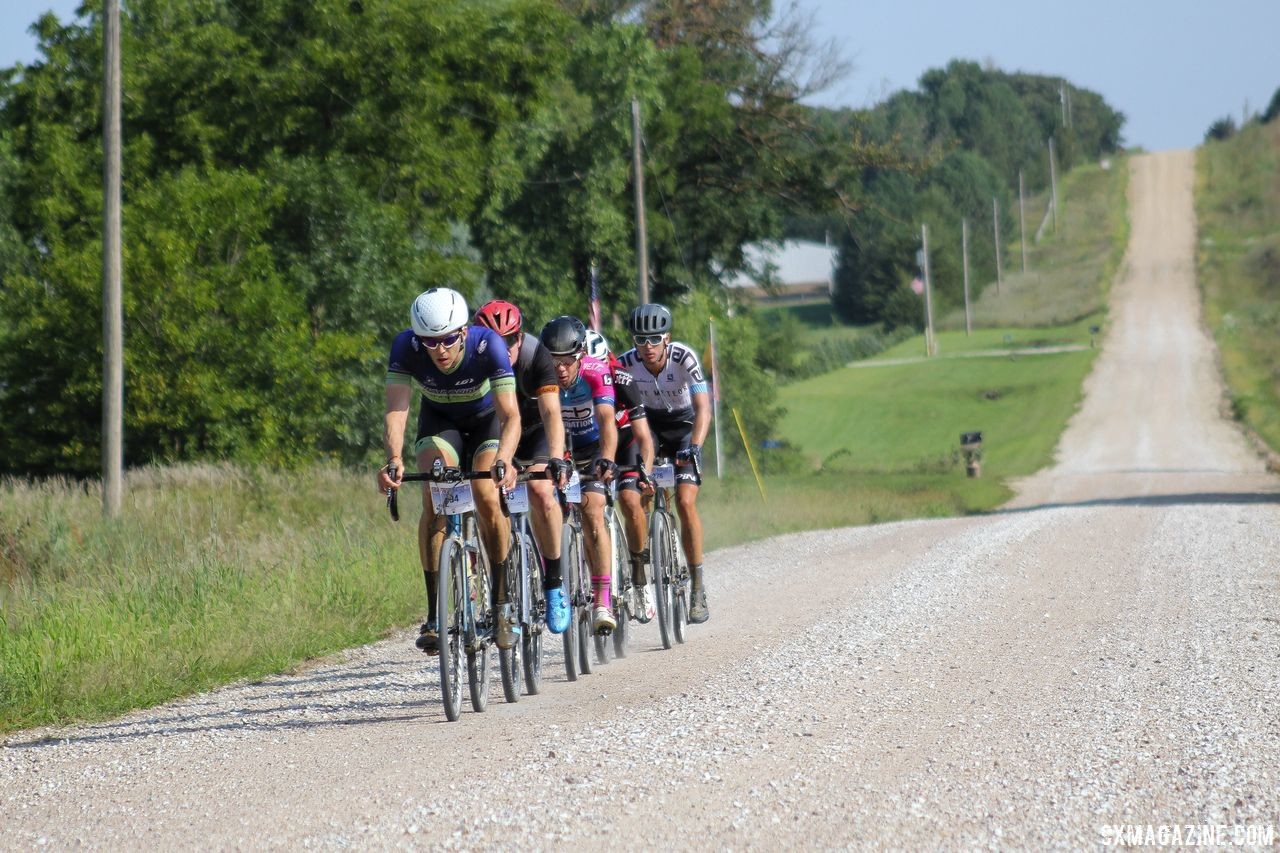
pixel 1104 651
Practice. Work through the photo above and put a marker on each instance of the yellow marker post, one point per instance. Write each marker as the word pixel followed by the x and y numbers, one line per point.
pixel 750 457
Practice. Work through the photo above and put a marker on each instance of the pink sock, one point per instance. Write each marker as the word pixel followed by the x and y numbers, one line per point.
pixel 600 584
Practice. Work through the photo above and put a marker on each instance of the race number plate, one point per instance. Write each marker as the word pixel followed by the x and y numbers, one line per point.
pixel 665 476
pixel 452 498
pixel 518 500
pixel 573 494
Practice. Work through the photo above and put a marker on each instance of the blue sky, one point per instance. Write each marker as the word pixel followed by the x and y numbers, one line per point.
pixel 1171 66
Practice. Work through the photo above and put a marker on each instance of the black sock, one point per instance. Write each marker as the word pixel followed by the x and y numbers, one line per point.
pixel 638 561
pixel 552 575
pixel 430 578
pixel 695 574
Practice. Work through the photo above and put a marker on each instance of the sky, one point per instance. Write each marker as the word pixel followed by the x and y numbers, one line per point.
pixel 1171 66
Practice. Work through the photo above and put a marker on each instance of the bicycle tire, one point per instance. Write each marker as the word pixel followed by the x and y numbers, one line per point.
pixel 661 564
pixel 450 619
pixel 603 642
pixel 582 612
pixel 570 549
pixel 679 590
pixel 531 640
pixel 621 575
pixel 478 669
pixel 509 659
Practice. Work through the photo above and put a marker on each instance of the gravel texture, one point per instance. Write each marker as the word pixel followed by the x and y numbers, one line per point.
pixel 1104 651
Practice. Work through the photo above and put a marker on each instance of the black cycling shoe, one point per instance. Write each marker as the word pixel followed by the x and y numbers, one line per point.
pixel 698 612
pixel 428 640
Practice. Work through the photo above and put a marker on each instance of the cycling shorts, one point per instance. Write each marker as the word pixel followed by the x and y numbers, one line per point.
pixel 533 449
pixel 457 441
pixel 628 459
pixel 669 438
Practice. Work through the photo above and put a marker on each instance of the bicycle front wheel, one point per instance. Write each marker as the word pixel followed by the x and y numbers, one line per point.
pixel 451 592
pixel 478 644
pixel 536 611
pixel 571 549
pixel 679 589
pixel 662 568
pixel 509 659
pixel 621 584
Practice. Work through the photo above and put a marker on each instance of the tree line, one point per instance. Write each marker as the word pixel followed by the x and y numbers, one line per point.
pixel 295 173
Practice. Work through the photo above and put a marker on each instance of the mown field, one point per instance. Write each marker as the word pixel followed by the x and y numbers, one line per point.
pixel 218 573
pixel 1238 211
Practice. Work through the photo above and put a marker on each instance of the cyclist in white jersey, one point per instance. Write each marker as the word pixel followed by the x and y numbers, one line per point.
pixel 674 392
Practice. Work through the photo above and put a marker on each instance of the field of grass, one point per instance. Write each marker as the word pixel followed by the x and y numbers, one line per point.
pixel 907 418
pixel 1238 208
pixel 1068 272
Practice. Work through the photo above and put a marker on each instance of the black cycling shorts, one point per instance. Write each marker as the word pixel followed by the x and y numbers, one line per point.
pixel 668 440
pixel 533 449
pixel 459 441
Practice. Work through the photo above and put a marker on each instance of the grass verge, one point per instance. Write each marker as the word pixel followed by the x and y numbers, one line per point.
pixel 1238 258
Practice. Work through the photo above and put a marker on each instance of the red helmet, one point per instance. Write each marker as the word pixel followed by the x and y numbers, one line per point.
pixel 502 317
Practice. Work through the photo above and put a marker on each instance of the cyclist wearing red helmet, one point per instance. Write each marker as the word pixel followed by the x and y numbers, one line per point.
pixel 541 442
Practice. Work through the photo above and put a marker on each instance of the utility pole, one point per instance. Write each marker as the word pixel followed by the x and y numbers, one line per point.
pixel 995 217
pixel 1022 220
pixel 715 393
pixel 964 242
pixel 112 302
pixel 929 347
pixel 637 165
pixel 1062 99
pixel 1053 185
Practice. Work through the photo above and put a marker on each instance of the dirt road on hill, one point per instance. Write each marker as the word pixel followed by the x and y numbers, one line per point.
pixel 1103 652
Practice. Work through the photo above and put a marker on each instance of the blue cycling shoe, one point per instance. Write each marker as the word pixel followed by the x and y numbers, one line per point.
pixel 557 611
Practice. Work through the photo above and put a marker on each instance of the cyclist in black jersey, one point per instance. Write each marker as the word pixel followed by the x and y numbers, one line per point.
pixel 675 395
pixel 541 443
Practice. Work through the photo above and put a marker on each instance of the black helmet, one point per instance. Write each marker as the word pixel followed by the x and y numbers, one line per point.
pixel 564 335
pixel 652 318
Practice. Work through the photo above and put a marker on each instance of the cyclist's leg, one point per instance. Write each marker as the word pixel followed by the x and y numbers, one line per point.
pixel 687 483
pixel 632 508
pixel 544 510
pixel 599 543
pixel 437 439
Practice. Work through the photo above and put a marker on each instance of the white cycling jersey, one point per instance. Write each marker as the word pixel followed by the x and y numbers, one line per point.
pixel 669 395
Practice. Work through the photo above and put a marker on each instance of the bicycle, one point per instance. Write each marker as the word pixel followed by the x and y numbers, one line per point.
pixel 577 585
pixel 463 611
pixel 619 584
pixel 671 568
pixel 525 594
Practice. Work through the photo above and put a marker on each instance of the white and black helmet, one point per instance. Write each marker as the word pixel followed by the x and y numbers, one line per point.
pixel 596 345
pixel 652 318
pixel 437 312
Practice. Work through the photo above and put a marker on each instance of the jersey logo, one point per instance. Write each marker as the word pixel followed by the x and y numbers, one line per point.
pixel 484 344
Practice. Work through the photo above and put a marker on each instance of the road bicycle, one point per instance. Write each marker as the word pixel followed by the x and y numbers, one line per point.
pixel 464 613
pixel 671 569
pixel 526 597
pixel 577 585
pixel 620 585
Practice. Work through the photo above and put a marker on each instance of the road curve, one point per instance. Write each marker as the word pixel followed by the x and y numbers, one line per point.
pixel 1104 651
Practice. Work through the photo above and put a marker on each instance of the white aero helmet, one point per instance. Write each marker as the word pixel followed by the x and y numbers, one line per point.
pixel 437 312
pixel 596 345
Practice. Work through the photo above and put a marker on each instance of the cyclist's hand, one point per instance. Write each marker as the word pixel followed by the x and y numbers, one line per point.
pixel 558 469
pixel 390 475
pixel 605 470
pixel 504 474
pixel 646 485
pixel 691 455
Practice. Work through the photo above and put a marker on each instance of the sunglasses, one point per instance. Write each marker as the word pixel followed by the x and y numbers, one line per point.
pixel 647 340
pixel 565 360
pixel 446 341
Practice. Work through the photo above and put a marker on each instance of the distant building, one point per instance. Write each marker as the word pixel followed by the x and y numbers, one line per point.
pixel 790 269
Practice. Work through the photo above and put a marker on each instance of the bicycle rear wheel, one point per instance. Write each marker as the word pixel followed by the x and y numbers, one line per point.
pixel 679 589
pixel 478 669
pixel 451 592
pixel 531 639
pixel 509 659
pixel 582 609
pixel 662 564
pixel 571 548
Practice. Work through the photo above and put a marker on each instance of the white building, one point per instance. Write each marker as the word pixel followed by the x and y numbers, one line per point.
pixel 791 268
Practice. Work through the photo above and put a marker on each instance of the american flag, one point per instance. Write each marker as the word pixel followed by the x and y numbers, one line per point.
pixel 594 301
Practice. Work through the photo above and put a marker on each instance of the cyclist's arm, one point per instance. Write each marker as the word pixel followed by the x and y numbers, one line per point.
pixel 644 438
pixel 701 417
pixel 608 430
pixel 508 410
pixel 552 422
pixel 397 415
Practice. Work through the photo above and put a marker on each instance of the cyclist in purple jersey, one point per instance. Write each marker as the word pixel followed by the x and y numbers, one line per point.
pixel 675 395
pixel 468 418
pixel 635 448
pixel 541 443
pixel 587 406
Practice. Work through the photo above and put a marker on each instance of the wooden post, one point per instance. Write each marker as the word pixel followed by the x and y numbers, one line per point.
pixel 995 216
pixel 929 348
pixel 112 302
pixel 964 242
pixel 1022 220
pixel 637 165
pixel 1053 185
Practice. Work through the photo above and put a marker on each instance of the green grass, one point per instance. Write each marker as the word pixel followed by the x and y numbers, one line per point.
pixel 1068 273
pixel 907 418
pixel 1238 208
